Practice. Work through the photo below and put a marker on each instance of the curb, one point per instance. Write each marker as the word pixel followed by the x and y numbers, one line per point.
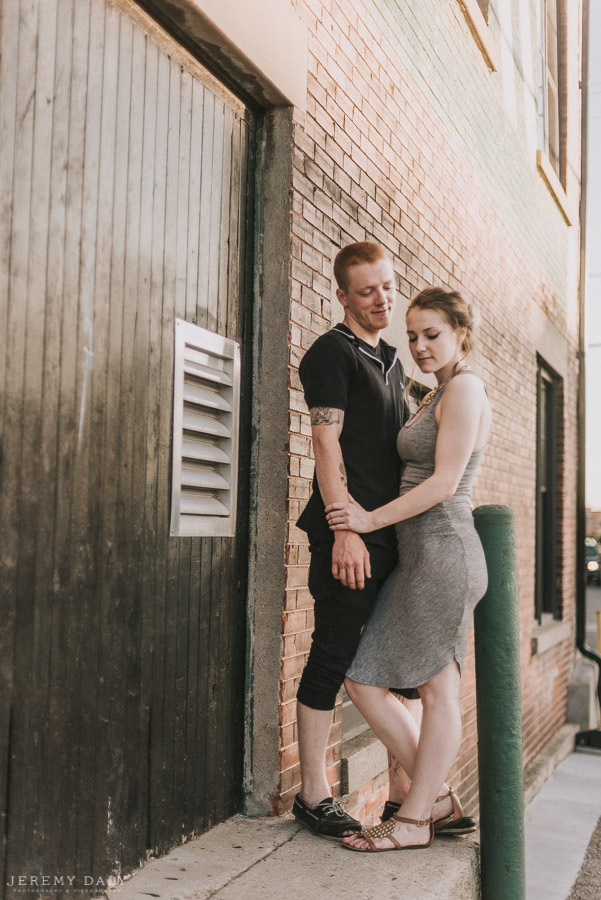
pixel 255 857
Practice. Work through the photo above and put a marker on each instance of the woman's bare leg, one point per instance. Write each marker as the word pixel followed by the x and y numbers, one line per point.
pixel 398 780
pixel 438 745
pixel 440 739
pixel 388 719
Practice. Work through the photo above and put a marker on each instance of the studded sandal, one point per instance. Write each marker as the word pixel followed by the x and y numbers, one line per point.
pixel 384 830
pixel 454 828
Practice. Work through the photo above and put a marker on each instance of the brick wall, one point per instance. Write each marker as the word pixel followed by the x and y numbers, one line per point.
pixel 410 141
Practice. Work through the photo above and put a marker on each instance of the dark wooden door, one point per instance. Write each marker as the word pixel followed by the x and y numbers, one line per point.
pixel 126 194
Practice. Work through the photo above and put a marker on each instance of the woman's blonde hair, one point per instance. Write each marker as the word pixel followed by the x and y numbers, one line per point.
pixel 457 311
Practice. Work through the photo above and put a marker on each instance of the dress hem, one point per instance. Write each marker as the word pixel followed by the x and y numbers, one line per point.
pixel 408 687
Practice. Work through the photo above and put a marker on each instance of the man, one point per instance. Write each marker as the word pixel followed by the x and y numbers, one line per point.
pixel 353 384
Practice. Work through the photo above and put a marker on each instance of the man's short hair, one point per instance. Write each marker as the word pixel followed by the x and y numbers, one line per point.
pixel 354 255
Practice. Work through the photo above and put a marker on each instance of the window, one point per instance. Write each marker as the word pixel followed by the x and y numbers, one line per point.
pixel 550 105
pixel 548 556
pixel 206 403
pixel 477 15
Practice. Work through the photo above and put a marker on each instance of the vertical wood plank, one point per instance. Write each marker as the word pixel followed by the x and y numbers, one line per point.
pixel 105 23
pixel 193 227
pixel 183 191
pixel 8 413
pixel 110 249
pixel 118 450
pixel 222 588
pixel 87 510
pixel 145 425
pixel 28 271
pixel 172 550
pixel 37 496
pixel 210 588
pixel 202 706
pixel 183 547
pixel 233 259
pixel 214 242
pixel 65 709
pixel 133 399
pixel 53 452
pixel 245 239
pixel 225 219
pixel 212 565
pixel 223 580
pixel 206 184
pixel 193 812
pixel 9 44
pixel 16 435
pixel 156 473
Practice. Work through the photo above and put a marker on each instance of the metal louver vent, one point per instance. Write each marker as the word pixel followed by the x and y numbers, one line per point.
pixel 206 409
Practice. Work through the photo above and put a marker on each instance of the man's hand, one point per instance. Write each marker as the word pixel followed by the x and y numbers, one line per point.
pixel 350 560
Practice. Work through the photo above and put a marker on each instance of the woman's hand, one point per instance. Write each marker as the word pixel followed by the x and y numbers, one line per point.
pixel 349 517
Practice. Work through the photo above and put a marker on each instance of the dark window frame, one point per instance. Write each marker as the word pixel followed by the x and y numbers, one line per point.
pixel 548 545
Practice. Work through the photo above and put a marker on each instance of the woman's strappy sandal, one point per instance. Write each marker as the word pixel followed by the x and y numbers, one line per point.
pixel 452 817
pixel 384 830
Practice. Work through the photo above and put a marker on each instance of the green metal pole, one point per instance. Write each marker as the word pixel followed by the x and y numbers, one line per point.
pixel 497 647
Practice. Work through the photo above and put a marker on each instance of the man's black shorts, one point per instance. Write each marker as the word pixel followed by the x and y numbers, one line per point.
pixel 340 614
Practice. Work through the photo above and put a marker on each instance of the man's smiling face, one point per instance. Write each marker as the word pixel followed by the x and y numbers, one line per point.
pixel 369 298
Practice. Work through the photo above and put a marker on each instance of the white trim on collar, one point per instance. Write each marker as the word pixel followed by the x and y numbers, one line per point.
pixel 341 328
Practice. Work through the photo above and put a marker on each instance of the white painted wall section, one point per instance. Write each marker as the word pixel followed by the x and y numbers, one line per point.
pixel 272 37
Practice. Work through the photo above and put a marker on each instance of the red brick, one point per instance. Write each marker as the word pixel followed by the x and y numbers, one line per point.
pixel 377 157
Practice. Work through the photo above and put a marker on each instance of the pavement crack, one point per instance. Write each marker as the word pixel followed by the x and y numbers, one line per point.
pixel 257 862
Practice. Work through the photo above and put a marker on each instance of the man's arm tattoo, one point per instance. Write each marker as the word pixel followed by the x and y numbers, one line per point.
pixel 324 415
pixel 342 474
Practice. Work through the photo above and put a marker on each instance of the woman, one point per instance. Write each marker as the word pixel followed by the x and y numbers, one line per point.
pixel 417 634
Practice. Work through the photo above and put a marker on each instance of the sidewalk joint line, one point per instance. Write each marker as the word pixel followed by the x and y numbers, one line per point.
pixel 256 863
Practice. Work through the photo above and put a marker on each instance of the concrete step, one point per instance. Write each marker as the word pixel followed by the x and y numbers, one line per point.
pixel 267 857
pixel 246 857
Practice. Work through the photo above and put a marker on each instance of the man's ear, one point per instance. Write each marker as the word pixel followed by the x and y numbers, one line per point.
pixel 341 297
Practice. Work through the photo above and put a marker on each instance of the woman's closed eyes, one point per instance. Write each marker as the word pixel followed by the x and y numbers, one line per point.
pixel 430 337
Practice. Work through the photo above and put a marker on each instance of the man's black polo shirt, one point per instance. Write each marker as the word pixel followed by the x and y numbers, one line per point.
pixel 341 371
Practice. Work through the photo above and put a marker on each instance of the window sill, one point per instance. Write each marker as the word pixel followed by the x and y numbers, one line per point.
pixel 549 175
pixel 481 32
pixel 362 758
pixel 549 634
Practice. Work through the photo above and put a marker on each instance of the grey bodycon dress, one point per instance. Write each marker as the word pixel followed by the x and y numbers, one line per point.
pixel 422 615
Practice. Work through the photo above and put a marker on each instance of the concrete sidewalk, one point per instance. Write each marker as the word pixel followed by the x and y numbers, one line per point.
pixel 245 858
pixel 560 822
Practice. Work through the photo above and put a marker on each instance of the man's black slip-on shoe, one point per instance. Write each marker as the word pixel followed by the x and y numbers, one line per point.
pixel 328 819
